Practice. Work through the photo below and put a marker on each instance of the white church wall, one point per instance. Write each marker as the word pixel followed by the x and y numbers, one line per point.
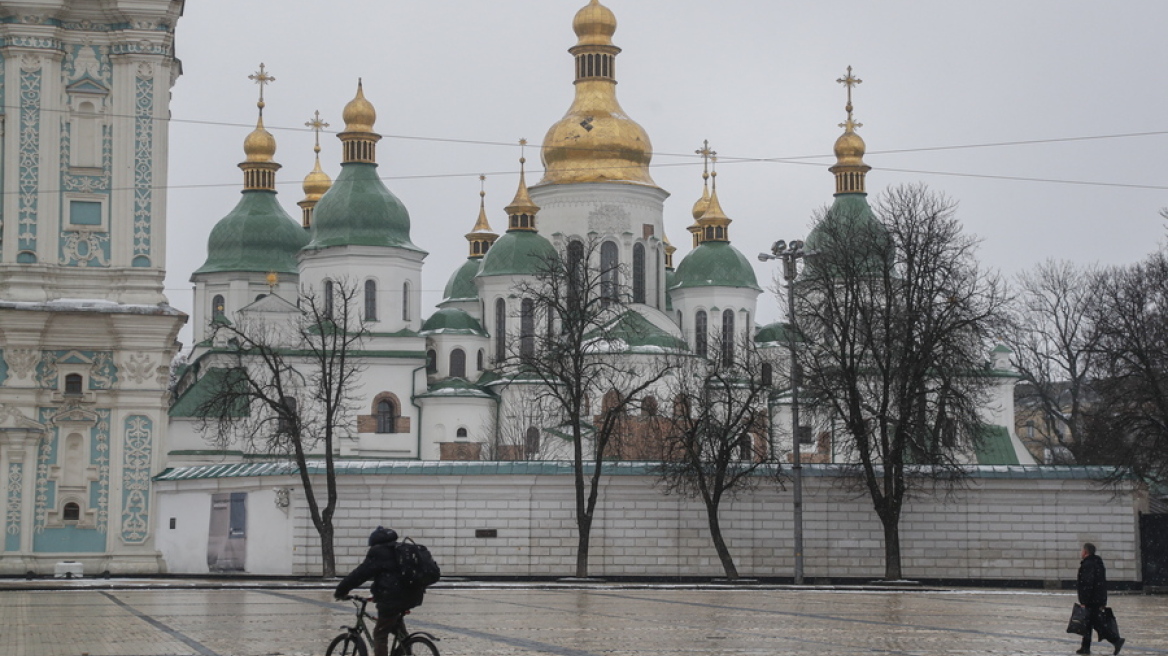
pixel 1009 524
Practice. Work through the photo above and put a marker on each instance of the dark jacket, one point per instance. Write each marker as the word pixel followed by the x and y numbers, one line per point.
pixel 1092 582
pixel 381 565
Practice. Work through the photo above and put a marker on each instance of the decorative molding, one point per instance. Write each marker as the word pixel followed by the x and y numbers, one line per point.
pixel 137 367
pixel 31 77
pixel 85 248
pixel 13 503
pixel 136 479
pixel 22 361
pixel 143 164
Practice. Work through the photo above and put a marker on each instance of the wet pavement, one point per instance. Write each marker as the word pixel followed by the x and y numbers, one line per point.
pixel 103 618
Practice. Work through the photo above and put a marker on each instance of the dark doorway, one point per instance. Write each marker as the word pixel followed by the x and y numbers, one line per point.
pixel 1154 549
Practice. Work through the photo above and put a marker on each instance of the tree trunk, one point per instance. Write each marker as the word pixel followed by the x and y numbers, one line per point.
pixel 585 526
pixel 327 555
pixel 720 542
pixel 891 523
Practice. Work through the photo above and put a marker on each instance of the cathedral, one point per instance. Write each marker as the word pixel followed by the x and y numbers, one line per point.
pixel 89 418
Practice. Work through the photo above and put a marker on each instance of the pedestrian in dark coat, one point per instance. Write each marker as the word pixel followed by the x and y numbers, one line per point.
pixel 392 598
pixel 1092 586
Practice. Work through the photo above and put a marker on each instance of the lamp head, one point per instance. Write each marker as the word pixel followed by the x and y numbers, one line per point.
pixel 778 247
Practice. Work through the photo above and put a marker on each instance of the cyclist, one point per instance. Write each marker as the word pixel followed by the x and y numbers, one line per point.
pixel 392 598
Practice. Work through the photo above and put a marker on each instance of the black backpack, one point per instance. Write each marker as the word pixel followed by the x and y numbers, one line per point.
pixel 418 569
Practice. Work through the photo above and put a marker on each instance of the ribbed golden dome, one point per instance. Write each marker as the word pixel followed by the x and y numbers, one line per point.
pixel 316 182
pixel 359 115
pixel 594 24
pixel 703 203
pixel 260 145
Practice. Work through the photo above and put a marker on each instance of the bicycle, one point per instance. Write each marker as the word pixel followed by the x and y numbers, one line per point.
pixel 355 638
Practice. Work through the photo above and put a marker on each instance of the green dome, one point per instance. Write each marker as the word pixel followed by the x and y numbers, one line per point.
pixel 775 333
pixel 519 252
pixel 850 220
pixel 633 333
pixel 715 264
pixel 358 210
pixel 258 235
pixel 461 286
pixel 452 320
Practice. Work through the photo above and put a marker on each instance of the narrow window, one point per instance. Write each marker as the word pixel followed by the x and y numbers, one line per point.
pixel 460 434
pixel 328 299
pixel 217 307
pixel 87 141
pixel 370 300
pixel 286 419
pixel 728 336
pixel 458 363
pixel 649 406
pixel 480 361
pixel 575 276
pixel 71 512
pixel 431 361
pixel 500 330
pixel 73 384
pixel 638 273
pixel 386 417
pixel 527 329
pixel 531 442
pixel 405 301
pixel 700 334
pixel 608 272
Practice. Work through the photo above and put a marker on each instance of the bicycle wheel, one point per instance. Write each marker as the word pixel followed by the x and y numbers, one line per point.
pixel 348 644
pixel 420 646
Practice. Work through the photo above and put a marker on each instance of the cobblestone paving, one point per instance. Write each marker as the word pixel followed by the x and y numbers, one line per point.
pixel 507 621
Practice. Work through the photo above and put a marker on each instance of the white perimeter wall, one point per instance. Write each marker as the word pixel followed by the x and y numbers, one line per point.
pixel 998 529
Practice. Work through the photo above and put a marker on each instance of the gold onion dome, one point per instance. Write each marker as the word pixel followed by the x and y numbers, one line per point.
pixel 359 115
pixel 849 148
pixel 316 182
pixel 260 145
pixel 702 204
pixel 596 141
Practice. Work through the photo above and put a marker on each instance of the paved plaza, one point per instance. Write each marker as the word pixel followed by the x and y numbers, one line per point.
pixel 600 620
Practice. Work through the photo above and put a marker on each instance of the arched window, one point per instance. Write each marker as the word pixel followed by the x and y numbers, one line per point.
pixel 531 442
pixel 728 336
pixel 71 512
pixel 701 334
pixel 370 300
pixel 431 361
pixel 286 419
pixel 73 384
pixel 575 273
pixel 649 406
pixel 261 297
pixel 608 272
pixel 768 374
pixel 405 301
pixel 328 299
pixel 527 328
pixel 218 307
pixel 638 273
pixel 386 417
pixel 460 434
pixel 480 361
pixel 86 147
pixel 458 363
pixel 500 330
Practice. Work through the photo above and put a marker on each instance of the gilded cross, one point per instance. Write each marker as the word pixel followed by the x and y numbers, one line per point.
pixel 706 154
pixel 316 125
pixel 261 78
pixel 850 81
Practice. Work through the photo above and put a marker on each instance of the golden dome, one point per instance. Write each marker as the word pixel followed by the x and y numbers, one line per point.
pixel 849 148
pixel 359 115
pixel 522 203
pixel 316 182
pixel 702 204
pixel 260 145
pixel 596 141
pixel 594 24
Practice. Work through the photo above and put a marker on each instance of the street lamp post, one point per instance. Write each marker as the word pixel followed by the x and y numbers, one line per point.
pixel 790 253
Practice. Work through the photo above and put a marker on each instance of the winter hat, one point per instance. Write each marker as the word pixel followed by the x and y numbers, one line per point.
pixel 381 535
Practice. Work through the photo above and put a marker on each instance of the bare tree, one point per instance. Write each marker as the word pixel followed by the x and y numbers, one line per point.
pixel 897 316
pixel 578 338
pixel 289 391
pixel 1130 419
pixel 716 437
pixel 1053 337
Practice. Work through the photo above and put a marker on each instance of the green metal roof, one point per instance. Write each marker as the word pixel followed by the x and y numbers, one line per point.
pixel 452 320
pixel 256 236
pixel 200 392
pixel 358 210
pixel 777 332
pixel 364 467
pixel 519 252
pixel 848 216
pixel 455 387
pixel 715 264
pixel 995 447
pixel 638 334
pixel 461 286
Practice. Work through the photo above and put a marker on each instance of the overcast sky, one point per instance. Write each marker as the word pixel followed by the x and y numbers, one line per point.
pixel 1045 120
